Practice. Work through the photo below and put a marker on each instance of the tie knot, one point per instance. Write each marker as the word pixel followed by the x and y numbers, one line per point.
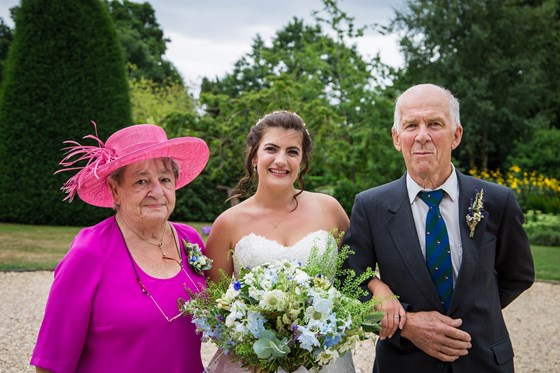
pixel 432 198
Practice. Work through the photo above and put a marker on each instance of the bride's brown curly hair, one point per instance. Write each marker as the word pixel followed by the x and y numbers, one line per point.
pixel 278 119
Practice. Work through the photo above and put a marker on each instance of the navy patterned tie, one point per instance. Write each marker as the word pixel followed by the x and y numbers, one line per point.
pixel 438 254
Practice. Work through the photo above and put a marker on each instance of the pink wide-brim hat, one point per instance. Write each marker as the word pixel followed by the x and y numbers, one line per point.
pixel 127 146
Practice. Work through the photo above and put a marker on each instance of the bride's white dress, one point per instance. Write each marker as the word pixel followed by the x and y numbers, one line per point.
pixel 253 250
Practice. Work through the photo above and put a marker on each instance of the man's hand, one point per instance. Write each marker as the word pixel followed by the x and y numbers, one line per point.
pixel 437 335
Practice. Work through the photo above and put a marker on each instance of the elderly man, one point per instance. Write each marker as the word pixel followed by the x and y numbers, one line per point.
pixel 452 247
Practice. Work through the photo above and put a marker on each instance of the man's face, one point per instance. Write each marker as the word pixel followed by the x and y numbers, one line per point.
pixel 425 135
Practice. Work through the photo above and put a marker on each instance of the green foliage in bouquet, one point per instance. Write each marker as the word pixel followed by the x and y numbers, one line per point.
pixel 287 314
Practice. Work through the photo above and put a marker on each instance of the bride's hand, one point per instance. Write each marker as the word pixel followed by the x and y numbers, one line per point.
pixel 394 315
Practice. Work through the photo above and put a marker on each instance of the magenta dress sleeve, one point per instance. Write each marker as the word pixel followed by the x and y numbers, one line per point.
pixel 65 325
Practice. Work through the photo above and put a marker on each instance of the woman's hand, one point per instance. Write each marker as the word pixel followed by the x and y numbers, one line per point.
pixel 394 315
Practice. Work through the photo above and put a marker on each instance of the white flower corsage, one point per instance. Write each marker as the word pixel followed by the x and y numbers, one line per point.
pixel 197 260
pixel 476 210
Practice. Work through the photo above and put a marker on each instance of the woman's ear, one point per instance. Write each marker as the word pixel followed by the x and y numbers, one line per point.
pixel 114 192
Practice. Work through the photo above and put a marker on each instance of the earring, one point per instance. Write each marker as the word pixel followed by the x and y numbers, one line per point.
pixel 254 167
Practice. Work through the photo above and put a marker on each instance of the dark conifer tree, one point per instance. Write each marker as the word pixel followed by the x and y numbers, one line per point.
pixel 64 69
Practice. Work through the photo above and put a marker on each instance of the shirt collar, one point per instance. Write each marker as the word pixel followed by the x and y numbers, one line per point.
pixel 450 186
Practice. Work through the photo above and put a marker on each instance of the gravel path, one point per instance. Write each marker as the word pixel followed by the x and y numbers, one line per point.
pixel 531 320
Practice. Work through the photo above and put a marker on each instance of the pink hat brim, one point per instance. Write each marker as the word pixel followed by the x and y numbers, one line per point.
pixel 190 153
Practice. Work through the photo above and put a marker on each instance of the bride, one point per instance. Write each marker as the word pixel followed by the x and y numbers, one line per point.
pixel 277 221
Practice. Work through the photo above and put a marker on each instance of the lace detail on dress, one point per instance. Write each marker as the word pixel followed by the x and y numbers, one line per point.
pixel 253 250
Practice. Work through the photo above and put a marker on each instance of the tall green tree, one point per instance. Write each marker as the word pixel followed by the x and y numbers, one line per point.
pixel 340 95
pixel 497 56
pixel 64 69
pixel 142 41
pixel 155 103
pixel 141 38
pixel 6 37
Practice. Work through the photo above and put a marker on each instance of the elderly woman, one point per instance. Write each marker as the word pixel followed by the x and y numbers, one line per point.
pixel 113 303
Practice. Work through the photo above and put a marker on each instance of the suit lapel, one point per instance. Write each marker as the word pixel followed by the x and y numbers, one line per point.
pixel 403 232
pixel 471 245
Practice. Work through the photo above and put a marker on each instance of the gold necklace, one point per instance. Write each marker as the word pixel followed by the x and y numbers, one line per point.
pixel 275 225
pixel 279 221
pixel 160 244
pixel 144 289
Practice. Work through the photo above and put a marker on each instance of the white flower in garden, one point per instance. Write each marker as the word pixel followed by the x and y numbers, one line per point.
pixel 347 324
pixel 274 300
pixel 256 293
pixel 329 326
pixel 321 308
pixel 349 344
pixel 301 277
pixel 326 356
pixel 315 318
pixel 237 312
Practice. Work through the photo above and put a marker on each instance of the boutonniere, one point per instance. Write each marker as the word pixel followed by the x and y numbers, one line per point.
pixel 197 260
pixel 476 210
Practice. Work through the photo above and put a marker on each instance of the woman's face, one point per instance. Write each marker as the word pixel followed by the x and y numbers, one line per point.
pixel 279 156
pixel 146 191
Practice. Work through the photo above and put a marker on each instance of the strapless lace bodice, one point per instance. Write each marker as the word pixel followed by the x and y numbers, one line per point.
pixel 253 250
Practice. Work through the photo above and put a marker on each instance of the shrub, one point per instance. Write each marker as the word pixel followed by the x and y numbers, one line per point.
pixel 533 191
pixel 542 229
pixel 539 153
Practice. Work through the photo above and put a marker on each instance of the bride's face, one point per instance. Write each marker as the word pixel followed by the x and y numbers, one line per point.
pixel 279 156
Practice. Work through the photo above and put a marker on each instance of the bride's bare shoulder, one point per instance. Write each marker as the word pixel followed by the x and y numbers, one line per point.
pixel 323 199
pixel 234 217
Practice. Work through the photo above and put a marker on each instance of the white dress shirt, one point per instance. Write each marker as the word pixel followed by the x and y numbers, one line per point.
pixel 449 208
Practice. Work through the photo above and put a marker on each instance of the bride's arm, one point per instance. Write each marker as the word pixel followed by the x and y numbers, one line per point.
pixel 333 209
pixel 218 248
pixel 390 306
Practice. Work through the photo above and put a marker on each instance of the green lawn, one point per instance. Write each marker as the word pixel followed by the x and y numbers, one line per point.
pixel 33 247
pixel 36 247
pixel 547 262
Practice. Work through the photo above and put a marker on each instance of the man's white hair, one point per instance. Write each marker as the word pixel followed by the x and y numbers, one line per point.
pixel 453 104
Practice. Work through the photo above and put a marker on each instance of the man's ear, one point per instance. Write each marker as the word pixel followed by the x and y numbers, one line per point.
pixel 396 139
pixel 457 136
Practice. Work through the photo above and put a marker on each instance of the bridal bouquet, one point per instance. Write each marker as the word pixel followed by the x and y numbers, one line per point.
pixel 285 314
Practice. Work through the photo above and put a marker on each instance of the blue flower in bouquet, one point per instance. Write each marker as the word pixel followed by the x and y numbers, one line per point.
pixel 332 340
pixel 307 339
pixel 255 323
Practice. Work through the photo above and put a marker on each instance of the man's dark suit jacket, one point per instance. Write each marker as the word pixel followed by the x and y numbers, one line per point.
pixel 497 266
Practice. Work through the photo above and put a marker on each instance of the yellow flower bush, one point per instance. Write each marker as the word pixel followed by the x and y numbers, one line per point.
pixel 533 191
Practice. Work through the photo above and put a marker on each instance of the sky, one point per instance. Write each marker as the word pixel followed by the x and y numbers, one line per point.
pixel 208 37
